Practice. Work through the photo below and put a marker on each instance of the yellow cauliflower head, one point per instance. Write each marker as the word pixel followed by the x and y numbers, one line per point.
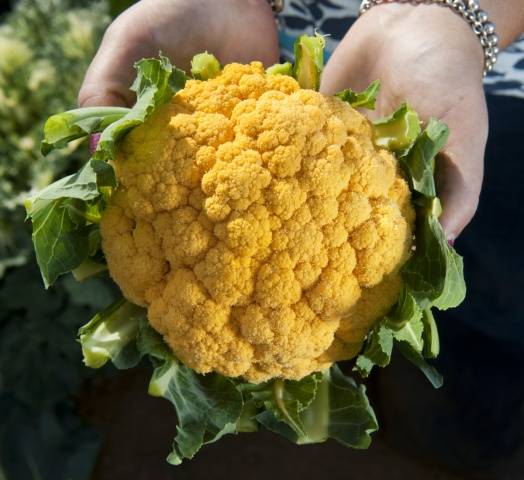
pixel 258 224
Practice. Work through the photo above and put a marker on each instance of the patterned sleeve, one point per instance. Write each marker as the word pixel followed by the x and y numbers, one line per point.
pixel 507 77
pixel 335 17
pixel 327 17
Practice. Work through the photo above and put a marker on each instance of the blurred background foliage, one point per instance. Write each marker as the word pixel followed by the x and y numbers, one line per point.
pixel 45 48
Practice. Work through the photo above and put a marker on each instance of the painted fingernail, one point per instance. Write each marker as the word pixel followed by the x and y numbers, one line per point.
pixel 451 241
pixel 93 142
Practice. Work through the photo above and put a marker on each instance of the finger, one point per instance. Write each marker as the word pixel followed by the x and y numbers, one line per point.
pixel 459 196
pixel 111 72
pixel 349 68
pixel 460 171
pixel 342 69
pixel 259 42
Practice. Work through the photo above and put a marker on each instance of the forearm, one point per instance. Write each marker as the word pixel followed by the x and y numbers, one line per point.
pixel 508 17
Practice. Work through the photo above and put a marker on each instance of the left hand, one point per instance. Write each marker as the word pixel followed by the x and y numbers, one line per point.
pixel 426 55
pixel 180 29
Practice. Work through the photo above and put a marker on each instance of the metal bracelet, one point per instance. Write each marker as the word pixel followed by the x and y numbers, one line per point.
pixel 470 11
pixel 276 5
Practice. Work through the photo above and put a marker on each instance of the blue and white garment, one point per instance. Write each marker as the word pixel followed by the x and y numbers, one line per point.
pixel 334 17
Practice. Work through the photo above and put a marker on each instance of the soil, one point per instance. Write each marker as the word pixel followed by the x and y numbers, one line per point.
pixel 137 432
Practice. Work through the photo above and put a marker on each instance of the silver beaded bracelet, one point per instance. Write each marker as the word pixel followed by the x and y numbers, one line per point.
pixel 276 5
pixel 470 11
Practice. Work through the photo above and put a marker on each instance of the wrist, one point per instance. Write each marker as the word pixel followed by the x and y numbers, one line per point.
pixel 425 29
pixel 508 16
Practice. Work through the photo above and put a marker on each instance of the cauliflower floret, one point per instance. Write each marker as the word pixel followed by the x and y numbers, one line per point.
pixel 259 225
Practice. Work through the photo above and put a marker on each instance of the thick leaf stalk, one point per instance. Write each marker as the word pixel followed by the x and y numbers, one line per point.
pixel 205 66
pixel 309 61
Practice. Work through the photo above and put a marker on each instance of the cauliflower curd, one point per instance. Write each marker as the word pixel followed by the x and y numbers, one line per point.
pixel 259 225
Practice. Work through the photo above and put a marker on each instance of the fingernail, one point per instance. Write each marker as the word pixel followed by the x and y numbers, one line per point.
pixel 451 241
pixel 93 142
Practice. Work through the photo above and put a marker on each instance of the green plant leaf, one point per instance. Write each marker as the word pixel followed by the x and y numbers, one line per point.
pixel 280 69
pixel 112 335
pixel 87 269
pixel 83 185
pixel 207 406
pixel 285 392
pixel 454 288
pixel 156 82
pixel 178 79
pixel 309 60
pixel 59 237
pixel 405 320
pixel 434 274
pixel 377 350
pixel 336 408
pixel 59 233
pixel 365 99
pixel 247 421
pixel 419 163
pixel 352 419
pixel 404 311
pixel 398 131
pixel 153 87
pixel 402 324
pixel 285 400
pixel 62 128
pixel 61 215
pixel 411 333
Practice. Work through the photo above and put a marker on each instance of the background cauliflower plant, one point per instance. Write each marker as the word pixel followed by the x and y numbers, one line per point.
pixel 45 48
pixel 41 435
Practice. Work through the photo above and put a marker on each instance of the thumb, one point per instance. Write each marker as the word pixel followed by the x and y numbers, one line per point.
pixel 111 72
pixel 345 68
pixel 460 169
pixel 458 190
pixel 459 197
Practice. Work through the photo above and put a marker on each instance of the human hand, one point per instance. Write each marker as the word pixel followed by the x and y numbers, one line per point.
pixel 233 30
pixel 427 55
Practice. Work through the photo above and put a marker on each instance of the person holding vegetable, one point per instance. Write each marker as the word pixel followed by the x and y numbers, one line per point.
pixel 440 76
pixel 424 53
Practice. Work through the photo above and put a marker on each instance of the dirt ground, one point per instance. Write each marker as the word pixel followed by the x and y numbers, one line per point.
pixel 138 430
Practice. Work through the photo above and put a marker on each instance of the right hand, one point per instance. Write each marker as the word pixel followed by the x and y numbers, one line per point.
pixel 429 56
pixel 233 30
